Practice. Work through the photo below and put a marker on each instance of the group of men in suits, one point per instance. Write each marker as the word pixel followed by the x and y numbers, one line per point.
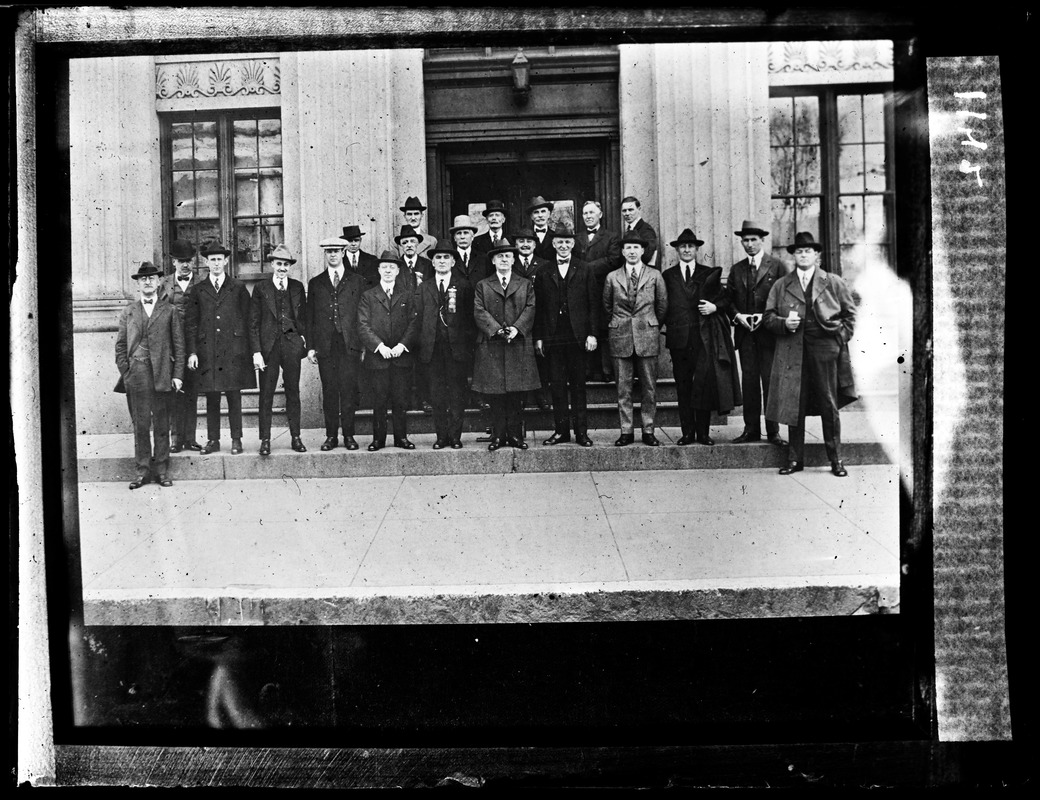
pixel 538 312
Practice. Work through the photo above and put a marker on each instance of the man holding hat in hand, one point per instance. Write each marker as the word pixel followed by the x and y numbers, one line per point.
pixel 413 210
pixel 150 358
pixel 277 335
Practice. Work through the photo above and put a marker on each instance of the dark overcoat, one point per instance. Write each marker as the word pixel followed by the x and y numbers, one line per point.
pixel 684 320
pixel 389 321
pixel 646 230
pixel 583 302
pixel 499 367
pixel 265 327
pixel 749 297
pixel 165 345
pixel 458 324
pixel 836 312
pixel 218 333
pixel 320 326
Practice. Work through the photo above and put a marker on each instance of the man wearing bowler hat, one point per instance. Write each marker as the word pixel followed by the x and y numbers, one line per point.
pixel 414 267
pixel 540 212
pixel 748 286
pixel 332 305
pixel 218 345
pixel 364 265
pixel 413 211
pixel 812 313
pixel 277 335
pixel 175 288
pixel 150 359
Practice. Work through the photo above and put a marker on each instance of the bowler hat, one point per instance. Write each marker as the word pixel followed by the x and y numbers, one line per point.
pixel 539 202
pixel 407 232
pixel 496 205
pixel 749 228
pixel 146 269
pixel 413 204
pixel 352 232
pixel 562 231
pixel 525 233
pixel 462 222
pixel 443 246
pixel 390 255
pixel 505 247
pixel 182 250
pixel 332 242
pixel 281 252
pixel 804 239
pixel 215 249
pixel 632 237
pixel 687 237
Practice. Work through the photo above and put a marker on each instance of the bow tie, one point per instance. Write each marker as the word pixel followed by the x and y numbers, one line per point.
pixel 148 302
pixel 593 230
pixel 184 277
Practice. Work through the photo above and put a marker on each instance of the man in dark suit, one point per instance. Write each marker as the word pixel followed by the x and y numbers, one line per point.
pixel 567 312
pixel 631 213
pixel 332 304
pixel 413 210
pixel 698 339
pixel 444 318
pixel 748 286
pixel 150 359
pixel 813 314
pixel 415 268
pixel 469 264
pixel 277 335
pixel 387 328
pixel 495 236
pixel 364 265
pixel 184 404
pixel 540 211
pixel 600 249
pixel 218 345
pixel 528 265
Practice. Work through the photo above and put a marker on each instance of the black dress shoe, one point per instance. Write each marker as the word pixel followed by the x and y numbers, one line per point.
pixel 494 445
pixel 557 438
pixel 440 444
pixel 775 439
pixel 297 445
pixel 583 439
pixel 519 444
pixel 163 480
pixel 376 445
pixel 747 437
pixel 792 466
pixel 330 443
pixel 193 446
pixel 651 440
pixel 349 443
pixel 212 446
pixel 838 469
pixel 176 448
pixel 138 482
pixel 685 440
pixel 625 439
pixel 236 446
pixel 265 447
pixel 706 440
pixel 403 443
pixel 456 444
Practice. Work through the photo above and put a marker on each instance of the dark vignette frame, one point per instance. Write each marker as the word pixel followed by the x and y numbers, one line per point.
pixel 904 753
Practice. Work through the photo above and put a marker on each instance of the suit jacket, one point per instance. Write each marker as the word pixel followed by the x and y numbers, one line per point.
pixel 583 301
pixel 544 249
pixel 836 313
pixel 423 267
pixel 170 290
pixel 457 324
pixel 319 322
pixel 635 326
pixel 165 346
pixel 368 267
pixel 537 265
pixel 747 297
pixel 603 255
pixel 427 241
pixel 499 367
pixel 646 230
pixel 389 321
pixel 218 333
pixel 477 270
pixel 265 326
pixel 482 244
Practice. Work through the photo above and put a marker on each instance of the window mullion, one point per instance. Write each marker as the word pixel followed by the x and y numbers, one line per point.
pixel 225 159
pixel 830 231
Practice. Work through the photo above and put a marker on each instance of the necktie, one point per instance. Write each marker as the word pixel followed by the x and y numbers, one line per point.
pixel 335 278
pixel 505 283
pixel 465 258
pixel 353 262
pixel 441 289
pixel 527 264
pixel 688 271
pixel 217 284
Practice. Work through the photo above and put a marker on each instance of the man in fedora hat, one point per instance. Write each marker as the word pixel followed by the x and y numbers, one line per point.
pixel 218 345
pixel 278 338
pixel 540 212
pixel 813 314
pixel 748 286
pixel 413 211
pixel 567 312
pixel 414 268
pixel 697 336
pixel 332 306
pixel 635 300
pixel 600 249
pixel 444 320
pixel 175 288
pixel 150 359
pixel 495 236
pixel 387 329
pixel 632 214
pixel 364 265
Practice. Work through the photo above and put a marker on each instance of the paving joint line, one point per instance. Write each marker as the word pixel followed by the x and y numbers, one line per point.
pixel 379 527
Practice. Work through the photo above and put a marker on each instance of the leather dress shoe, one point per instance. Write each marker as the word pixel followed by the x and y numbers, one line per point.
pixel 265 447
pixel 163 480
pixel 706 440
pixel 625 439
pixel 236 446
pixel 138 482
pixel 747 437
pixel 440 444
pixel 685 440
pixel 775 439
pixel 838 469
pixel 456 444
pixel 519 444
pixel 212 446
pixel 403 443
pixel 376 445
pixel 651 440
pixel 297 445
pixel 176 448
pixel 558 437
pixel 193 446
pixel 583 439
pixel 330 443
pixel 792 466
pixel 494 445
pixel 349 443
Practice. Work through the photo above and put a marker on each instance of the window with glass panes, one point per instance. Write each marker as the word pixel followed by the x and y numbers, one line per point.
pixel 223 183
pixel 830 159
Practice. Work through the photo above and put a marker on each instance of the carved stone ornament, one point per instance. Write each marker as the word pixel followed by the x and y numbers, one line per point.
pixel 829 57
pixel 186 79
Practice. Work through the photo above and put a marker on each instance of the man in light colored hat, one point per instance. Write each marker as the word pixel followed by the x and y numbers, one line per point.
pixel 748 286
pixel 413 211
pixel 278 338
pixel 813 314
pixel 540 212
pixel 150 358
pixel 218 345
pixel 331 324
pixel 364 265
pixel 175 288
pixel 469 265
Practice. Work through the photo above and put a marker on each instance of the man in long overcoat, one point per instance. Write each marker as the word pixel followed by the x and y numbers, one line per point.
pixel 504 367
pixel 697 336
pixel 218 345
pixel 813 315
pixel 635 300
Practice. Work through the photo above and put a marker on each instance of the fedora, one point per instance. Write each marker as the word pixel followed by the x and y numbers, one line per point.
pixel 443 246
pixel 282 253
pixel 352 232
pixel 462 222
pixel 632 237
pixel 562 231
pixel 505 247
pixel 804 239
pixel 390 255
pixel 687 237
pixel 182 250
pixel 413 204
pixel 146 270
pixel 525 233
pixel 751 228
pixel 539 202
pixel 407 232
pixel 496 205
pixel 215 249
